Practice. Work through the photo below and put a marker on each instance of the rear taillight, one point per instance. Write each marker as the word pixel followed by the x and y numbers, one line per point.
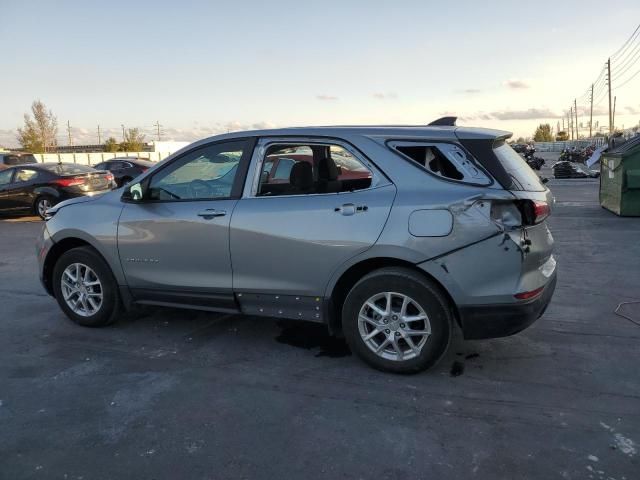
pixel 144 169
pixel 109 177
pixel 534 211
pixel 69 182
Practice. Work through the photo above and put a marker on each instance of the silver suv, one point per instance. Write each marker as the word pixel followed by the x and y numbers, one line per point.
pixel 388 235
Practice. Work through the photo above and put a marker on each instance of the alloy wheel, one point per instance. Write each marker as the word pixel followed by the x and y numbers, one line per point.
pixel 81 289
pixel 43 205
pixel 393 326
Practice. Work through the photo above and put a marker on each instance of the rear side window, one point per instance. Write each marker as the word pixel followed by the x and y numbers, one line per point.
pixel 524 178
pixel 311 169
pixel 444 160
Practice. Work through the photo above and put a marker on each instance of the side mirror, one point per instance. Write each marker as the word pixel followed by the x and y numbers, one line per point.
pixel 133 193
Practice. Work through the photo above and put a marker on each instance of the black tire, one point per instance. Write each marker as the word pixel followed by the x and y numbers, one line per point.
pixel 422 290
pixel 40 203
pixel 110 307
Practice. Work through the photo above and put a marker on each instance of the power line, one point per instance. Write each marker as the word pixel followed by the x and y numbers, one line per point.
pixel 628 80
pixel 635 33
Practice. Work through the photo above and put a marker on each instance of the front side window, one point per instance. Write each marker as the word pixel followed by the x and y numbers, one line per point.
pixel 206 173
pixel 5 176
pixel 311 169
pixel 444 160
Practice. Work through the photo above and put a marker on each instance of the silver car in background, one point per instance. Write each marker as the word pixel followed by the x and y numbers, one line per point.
pixel 391 236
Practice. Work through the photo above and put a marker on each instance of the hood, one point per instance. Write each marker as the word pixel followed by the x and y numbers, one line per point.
pixel 72 201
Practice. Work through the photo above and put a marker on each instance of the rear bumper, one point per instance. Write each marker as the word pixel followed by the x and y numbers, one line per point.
pixel 492 321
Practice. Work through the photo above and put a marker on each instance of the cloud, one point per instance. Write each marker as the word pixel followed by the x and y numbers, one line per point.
pixel 470 91
pixel 516 84
pixel 530 114
pixel 632 110
pixel 385 96
pixel 326 98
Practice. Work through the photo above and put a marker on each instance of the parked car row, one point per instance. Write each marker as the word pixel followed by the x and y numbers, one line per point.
pixel 27 187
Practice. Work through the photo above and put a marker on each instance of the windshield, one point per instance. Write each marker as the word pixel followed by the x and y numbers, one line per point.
pixel 524 178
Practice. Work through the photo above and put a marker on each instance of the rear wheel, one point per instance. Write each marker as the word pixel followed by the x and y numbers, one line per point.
pixel 85 288
pixel 41 205
pixel 397 320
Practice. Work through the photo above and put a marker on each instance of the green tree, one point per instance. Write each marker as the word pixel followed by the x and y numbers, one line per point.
pixel 520 140
pixel 133 141
pixel 562 137
pixel 111 145
pixel 39 133
pixel 543 133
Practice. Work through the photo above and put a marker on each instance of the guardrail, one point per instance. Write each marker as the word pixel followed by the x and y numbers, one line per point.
pixel 559 146
pixel 97 157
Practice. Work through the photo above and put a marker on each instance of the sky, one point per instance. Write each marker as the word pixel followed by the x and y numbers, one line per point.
pixel 201 68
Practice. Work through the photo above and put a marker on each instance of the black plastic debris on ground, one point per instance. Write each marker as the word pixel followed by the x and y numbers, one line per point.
pixel 457 369
pixel 312 335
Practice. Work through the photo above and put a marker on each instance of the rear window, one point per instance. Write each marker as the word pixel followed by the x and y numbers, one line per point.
pixel 68 169
pixel 19 159
pixel 524 178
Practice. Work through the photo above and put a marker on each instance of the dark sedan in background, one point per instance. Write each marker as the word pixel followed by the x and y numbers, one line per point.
pixel 10 159
pixel 125 169
pixel 33 188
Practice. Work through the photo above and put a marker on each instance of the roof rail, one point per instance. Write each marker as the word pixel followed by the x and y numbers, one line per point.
pixel 444 122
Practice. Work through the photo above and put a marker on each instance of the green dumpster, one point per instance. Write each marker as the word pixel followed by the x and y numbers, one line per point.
pixel 620 179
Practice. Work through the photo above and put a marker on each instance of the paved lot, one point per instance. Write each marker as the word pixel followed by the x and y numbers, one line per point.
pixel 177 394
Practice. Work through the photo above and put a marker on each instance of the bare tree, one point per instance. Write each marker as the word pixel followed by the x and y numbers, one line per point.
pixel 39 133
pixel 133 140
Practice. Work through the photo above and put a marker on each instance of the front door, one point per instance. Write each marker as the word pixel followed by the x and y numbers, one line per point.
pixel 174 243
pixel 5 184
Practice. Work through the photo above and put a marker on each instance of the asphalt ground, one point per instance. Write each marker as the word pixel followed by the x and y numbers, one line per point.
pixel 178 394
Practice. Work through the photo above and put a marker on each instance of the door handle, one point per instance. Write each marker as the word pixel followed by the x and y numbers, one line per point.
pixel 348 209
pixel 210 213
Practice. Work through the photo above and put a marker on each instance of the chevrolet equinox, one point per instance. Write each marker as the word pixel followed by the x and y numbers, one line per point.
pixel 391 236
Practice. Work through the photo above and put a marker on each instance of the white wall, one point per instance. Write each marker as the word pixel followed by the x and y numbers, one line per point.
pixel 95 158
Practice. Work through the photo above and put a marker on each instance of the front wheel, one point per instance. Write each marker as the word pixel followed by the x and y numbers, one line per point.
pixel 396 320
pixel 85 288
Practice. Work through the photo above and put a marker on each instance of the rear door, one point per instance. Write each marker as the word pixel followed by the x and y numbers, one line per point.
pixel 289 238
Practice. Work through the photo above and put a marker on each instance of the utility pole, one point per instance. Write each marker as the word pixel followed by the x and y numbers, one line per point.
pixel 69 133
pixel 591 114
pixel 575 111
pixel 123 137
pixel 609 84
pixel 157 125
pixel 613 114
pixel 571 121
pixel 99 136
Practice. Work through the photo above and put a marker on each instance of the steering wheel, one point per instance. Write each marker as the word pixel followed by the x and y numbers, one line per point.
pixel 197 182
